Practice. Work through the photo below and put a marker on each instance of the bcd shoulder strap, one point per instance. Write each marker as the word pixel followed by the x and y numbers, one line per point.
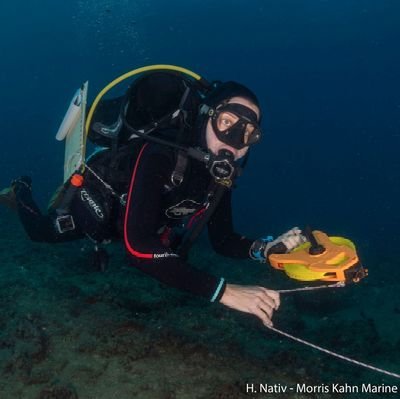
pixel 218 191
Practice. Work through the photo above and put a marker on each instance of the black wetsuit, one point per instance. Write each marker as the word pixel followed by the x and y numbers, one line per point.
pixel 156 219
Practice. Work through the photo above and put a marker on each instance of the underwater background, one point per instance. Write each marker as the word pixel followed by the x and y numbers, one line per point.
pixel 327 76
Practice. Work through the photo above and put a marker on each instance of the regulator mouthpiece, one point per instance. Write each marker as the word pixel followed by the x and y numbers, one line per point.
pixel 222 167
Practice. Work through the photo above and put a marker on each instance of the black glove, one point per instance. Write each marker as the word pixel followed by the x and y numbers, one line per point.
pixel 262 248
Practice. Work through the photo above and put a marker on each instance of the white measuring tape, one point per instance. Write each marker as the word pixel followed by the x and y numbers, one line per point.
pixel 302 341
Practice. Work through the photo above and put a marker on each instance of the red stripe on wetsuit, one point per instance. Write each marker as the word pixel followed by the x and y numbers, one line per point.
pixel 128 245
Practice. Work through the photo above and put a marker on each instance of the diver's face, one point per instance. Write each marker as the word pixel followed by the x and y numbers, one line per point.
pixel 215 145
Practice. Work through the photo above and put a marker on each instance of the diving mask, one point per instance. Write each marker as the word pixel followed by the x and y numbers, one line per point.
pixel 235 125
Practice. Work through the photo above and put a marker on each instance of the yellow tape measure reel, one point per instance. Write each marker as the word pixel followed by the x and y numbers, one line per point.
pixel 321 258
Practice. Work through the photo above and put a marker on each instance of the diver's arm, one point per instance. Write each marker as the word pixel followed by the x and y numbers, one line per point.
pixel 144 247
pixel 255 300
pixel 223 237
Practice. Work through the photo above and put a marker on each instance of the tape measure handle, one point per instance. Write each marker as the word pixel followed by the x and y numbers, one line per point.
pixel 315 248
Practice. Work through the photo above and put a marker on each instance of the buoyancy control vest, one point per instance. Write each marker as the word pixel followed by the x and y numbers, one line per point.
pixel 160 106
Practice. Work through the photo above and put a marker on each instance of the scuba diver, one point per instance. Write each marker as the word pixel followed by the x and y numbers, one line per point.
pixel 157 197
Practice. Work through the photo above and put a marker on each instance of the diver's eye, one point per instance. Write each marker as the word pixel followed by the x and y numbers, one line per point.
pixel 226 120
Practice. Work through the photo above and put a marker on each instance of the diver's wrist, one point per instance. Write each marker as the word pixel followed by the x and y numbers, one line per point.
pixel 259 248
pixel 219 291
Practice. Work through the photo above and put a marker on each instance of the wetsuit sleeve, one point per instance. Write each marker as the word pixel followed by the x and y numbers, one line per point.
pixel 142 220
pixel 223 237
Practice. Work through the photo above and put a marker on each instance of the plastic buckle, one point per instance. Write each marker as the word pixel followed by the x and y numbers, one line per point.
pixel 176 178
pixel 65 223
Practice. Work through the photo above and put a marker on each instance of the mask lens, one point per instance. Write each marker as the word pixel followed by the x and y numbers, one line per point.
pixel 225 121
pixel 249 133
pixel 235 125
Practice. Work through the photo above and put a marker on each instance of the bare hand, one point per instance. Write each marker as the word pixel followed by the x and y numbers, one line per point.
pixel 258 301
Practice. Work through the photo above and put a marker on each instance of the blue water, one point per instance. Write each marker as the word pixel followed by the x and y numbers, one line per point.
pixel 326 73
